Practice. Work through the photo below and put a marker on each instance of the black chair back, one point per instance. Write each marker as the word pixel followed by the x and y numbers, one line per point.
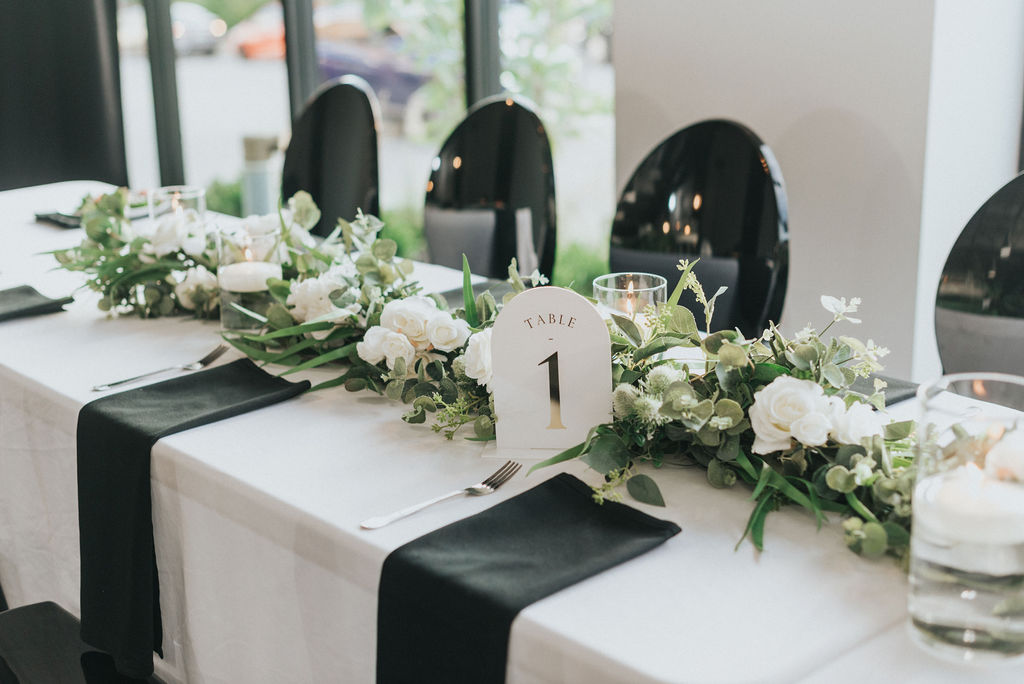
pixel 61 115
pixel 333 152
pixel 491 194
pixel 712 190
pixel 979 306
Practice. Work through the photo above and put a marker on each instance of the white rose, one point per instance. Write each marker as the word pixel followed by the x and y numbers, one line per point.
pixel 852 425
pixel 445 332
pixel 478 358
pixel 778 406
pixel 310 299
pixel 371 348
pixel 812 429
pixel 197 278
pixel 409 316
pixel 396 345
pixel 1005 460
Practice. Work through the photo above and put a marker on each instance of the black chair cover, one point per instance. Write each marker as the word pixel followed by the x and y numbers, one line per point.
pixel 712 190
pixel 491 193
pixel 333 152
pixel 60 79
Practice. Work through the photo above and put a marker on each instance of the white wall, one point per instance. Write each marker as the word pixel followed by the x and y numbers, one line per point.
pixel 973 129
pixel 840 92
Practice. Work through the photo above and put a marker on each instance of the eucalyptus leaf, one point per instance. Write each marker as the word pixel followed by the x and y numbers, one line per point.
pixel 729 449
pixel 658 345
pixel 629 329
pixel 898 431
pixel 681 320
pixel 643 489
pixel 840 479
pixel 425 403
pixel 833 374
pixel 713 342
pixel 732 355
pixel 607 453
pixel 875 540
pixel 896 534
pixel 384 249
pixel 720 475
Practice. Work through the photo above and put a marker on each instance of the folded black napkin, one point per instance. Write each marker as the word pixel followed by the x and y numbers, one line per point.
pixel 896 391
pixel 26 301
pixel 120 593
pixel 447 600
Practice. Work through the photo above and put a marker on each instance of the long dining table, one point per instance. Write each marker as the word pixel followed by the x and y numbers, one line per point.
pixel 266 576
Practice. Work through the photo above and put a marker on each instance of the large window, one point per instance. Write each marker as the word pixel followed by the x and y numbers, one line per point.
pixel 233 82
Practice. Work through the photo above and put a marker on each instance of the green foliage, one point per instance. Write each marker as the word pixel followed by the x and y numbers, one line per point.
pixel 576 266
pixel 225 197
pixel 405 227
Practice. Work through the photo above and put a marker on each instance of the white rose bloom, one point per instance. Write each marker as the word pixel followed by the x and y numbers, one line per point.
pixel 260 228
pixel 371 348
pixel 852 425
pixel 395 345
pixel 445 332
pixel 478 358
pixel 812 429
pixel 311 299
pixel 778 406
pixel 198 278
pixel 409 316
pixel 1005 460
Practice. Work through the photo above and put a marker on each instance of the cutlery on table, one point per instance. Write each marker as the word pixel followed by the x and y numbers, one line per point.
pixel 487 486
pixel 194 366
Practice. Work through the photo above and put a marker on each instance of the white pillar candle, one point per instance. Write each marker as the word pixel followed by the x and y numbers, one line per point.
pixel 247 276
pixel 967 505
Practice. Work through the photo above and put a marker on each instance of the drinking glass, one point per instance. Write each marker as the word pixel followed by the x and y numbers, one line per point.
pixel 628 294
pixel 181 200
pixel 966 598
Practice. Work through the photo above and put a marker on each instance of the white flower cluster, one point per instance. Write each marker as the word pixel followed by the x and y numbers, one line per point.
pixel 174 232
pixel 412 328
pixel 789 408
pixel 310 300
pixel 198 280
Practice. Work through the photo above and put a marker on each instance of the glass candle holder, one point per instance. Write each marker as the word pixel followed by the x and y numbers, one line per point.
pixel 180 200
pixel 628 294
pixel 246 262
pixel 966 599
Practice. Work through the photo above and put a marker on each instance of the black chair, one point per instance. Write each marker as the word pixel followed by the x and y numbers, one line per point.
pixel 979 306
pixel 40 644
pixel 491 194
pixel 333 152
pixel 61 116
pixel 3 600
pixel 712 190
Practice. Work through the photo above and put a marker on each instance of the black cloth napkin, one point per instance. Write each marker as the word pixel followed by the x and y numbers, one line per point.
pixel 26 301
pixel 447 600
pixel 896 391
pixel 120 592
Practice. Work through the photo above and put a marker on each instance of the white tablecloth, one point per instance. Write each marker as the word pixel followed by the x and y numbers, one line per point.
pixel 265 575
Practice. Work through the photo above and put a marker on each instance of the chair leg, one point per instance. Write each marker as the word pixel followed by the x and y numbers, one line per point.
pixel 3 601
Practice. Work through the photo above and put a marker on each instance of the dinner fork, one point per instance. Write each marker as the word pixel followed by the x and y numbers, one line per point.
pixel 194 366
pixel 487 486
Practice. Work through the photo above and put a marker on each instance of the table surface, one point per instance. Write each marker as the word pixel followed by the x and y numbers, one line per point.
pixel 266 576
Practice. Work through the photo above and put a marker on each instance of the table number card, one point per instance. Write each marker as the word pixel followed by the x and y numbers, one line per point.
pixel 551 356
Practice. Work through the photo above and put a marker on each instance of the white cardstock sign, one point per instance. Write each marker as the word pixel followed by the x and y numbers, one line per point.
pixel 552 382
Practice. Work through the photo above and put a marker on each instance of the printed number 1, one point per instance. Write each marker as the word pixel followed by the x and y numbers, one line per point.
pixel 556 404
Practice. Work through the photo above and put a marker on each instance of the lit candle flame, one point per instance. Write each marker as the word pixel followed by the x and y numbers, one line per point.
pixel 247 253
pixel 629 299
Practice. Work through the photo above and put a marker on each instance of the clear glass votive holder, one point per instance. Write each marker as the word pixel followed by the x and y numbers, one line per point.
pixel 185 201
pixel 628 294
pixel 246 262
pixel 966 599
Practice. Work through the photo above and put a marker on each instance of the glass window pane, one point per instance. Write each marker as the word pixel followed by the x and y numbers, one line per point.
pixel 557 54
pixel 411 54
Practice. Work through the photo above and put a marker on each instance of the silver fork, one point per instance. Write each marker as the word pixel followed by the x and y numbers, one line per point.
pixel 194 366
pixel 488 486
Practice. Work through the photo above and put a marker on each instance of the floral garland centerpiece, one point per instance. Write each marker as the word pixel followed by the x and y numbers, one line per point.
pixel 779 415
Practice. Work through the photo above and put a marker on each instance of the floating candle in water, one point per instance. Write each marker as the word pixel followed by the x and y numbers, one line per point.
pixel 967 505
pixel 247 276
